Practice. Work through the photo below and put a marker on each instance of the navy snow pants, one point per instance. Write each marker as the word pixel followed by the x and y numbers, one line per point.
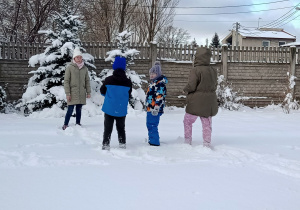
pixel 152 125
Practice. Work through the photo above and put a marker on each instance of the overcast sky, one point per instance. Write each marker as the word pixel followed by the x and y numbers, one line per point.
pixel 201 27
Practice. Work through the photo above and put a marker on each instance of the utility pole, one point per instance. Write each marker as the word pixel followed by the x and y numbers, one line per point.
pixel 258 23
pixel 236 40
pixel 236 34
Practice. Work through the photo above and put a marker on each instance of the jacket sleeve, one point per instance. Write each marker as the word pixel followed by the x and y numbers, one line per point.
pixel 160 94
pixel 193 82
pixel 87 83
pixel 103 88
pixel 67 80
pixel 130 91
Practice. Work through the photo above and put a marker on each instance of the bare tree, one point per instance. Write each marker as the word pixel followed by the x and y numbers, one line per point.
pixel 37 14
pixel 104 19
pixel 124 7
pixel 173 35
pixel 26 19
pixel 128 15
pixel 98 15
pixel 9 17
pixel 157 14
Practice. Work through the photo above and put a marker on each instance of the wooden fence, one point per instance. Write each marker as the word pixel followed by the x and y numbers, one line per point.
pixel 23 51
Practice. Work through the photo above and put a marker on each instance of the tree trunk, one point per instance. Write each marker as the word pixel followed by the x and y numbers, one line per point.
pixel 150 28
pixel 123 15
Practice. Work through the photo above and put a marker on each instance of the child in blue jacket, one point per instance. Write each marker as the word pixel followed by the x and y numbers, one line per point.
pixel 155 102
pixel 117 90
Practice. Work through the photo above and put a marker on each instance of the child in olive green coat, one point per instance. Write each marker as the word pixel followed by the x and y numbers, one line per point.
pixel 77 87
pixel 201 96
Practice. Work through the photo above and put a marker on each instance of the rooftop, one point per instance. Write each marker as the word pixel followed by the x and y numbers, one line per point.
pixel 266 33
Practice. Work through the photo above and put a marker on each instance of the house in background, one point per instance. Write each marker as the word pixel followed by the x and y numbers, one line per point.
pixel 296 44
pixel 262 37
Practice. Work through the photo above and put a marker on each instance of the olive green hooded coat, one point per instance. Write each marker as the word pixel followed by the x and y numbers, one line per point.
pixel 202 85
pixel 77 84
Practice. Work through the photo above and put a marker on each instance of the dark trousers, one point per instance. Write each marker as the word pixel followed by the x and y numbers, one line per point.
pixel 70 111
pixel 108 127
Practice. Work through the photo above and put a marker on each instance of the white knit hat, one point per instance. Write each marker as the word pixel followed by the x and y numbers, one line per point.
pixel 76 52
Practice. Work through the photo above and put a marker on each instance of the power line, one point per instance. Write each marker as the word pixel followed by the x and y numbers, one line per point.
pixel 220 7
pixel 281 21
pixel 198 14
pixel 231 13
pixel 212 7
pixel 216 21
pixel 280 16
pixel 219 21
pixel 289 21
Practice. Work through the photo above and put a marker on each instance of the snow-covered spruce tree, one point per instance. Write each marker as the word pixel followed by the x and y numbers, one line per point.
pixel 138 94
pixel 227 98
pixel 289 103
pixel 45 87
pixel 194 43
pixel 2 100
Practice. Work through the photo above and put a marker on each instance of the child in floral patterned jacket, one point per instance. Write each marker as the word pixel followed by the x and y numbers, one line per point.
pixel 155 102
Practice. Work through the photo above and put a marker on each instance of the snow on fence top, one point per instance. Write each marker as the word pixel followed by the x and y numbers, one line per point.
pixel 23 51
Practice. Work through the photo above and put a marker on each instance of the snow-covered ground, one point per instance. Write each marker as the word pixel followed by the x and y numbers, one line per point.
pixel 255 164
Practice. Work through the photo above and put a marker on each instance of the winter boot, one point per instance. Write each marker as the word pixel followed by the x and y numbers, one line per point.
pixel 122 146
pixel 106 147
pixel 208 145
pixel 188 141
pixel 64 127
pixel 153 144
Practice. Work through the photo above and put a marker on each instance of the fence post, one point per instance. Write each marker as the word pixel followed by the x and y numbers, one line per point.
pixel 224 61
pixel 293 65
pixel 153 53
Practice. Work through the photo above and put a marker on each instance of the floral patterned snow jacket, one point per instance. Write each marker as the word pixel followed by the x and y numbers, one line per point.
pixel 156 94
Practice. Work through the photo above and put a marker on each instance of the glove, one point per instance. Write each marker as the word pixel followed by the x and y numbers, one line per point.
pixel 68 98
pixel 155 111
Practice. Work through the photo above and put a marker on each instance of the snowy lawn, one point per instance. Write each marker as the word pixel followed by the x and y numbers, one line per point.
pixel 255 164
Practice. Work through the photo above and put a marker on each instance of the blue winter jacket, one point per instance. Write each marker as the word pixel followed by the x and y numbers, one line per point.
pixel 117 91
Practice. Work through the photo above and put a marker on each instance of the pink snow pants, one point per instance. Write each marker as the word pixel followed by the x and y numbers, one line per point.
pixel 188 128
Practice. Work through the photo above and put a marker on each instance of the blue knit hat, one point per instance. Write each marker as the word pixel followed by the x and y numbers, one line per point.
pixel 156 69
pixel 119 63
